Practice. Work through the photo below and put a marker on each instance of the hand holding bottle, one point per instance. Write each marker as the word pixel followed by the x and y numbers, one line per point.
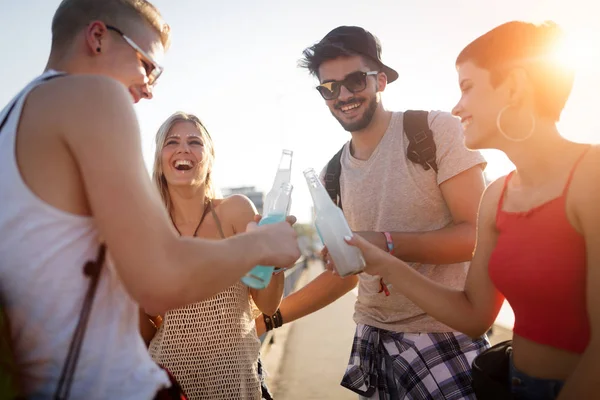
pixel 279 243
pixel 290 219
pixel 260 276
pixel 378 262
pixel 276 208
pixel 332 227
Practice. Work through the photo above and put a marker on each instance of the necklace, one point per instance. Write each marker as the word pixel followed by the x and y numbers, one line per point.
pixel 204 213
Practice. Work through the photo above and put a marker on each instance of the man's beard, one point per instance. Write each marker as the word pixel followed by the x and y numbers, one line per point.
pixel 363 122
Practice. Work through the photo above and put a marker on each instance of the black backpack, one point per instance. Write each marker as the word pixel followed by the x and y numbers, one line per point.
pixel 421 150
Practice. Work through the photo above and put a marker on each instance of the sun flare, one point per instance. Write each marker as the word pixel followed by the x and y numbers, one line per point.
pixel 577 52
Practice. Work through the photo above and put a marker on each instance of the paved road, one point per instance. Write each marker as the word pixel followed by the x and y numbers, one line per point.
pixel 317 351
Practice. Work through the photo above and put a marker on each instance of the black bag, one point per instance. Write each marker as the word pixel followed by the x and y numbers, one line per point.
pixel 421 150
pixel 490 371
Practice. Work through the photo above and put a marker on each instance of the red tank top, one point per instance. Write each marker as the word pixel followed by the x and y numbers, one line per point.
pixel 539 265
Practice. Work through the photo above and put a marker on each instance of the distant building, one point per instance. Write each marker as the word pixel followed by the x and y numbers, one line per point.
pixel 257 197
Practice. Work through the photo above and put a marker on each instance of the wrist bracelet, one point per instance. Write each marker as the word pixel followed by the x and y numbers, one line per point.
pixel 273 321
pixel 389 242
pixel 277 320
pixel 268 323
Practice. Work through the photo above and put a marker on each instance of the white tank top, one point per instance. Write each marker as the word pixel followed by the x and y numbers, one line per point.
pixel 42 287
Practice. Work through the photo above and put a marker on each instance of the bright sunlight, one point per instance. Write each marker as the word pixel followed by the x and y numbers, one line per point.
pixel 577 52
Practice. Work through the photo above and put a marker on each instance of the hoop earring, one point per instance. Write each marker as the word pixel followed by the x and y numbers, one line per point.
pixel 498 125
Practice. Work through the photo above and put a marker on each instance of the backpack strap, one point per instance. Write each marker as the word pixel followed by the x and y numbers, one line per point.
pixel 332 178
pixel 421 146
pixel 421 150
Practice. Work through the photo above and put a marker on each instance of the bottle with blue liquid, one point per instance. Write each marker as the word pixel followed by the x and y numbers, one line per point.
pixel 275 209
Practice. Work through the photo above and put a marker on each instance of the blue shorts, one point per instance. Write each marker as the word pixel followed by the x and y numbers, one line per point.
pixel 525 387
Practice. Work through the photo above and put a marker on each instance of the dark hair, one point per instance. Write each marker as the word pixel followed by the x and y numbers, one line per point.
pixel 532 47
pixel 317 54
pixel 73 15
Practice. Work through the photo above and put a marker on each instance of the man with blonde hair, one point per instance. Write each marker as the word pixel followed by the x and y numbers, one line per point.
pixel 73 183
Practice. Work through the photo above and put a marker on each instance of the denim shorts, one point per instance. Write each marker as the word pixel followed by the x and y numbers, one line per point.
pixel 525 387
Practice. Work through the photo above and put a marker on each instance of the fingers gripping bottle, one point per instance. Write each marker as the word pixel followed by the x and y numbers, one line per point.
pixel 332 228
pixel 276 208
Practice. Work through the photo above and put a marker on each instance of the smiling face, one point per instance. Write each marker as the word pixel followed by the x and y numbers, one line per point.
pixel 354 109
pixel 185 155
pixel 495 115
pixel 122 39
pixel 134 60
pixel 512 83
pixel 478 106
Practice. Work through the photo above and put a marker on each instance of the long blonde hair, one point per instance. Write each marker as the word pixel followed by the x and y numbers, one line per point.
pixel 209 151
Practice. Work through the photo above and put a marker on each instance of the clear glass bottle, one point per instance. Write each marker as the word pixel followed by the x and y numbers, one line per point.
pixel 332 227
pixel 275 208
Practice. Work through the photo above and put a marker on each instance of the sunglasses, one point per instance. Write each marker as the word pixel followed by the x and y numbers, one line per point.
pixel 354 82
pixel 152 68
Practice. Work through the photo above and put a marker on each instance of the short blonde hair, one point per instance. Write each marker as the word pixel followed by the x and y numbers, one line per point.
pixel 73 15
pixel 209 150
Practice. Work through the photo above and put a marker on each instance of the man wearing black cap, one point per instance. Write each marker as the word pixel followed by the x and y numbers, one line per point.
pixel 407 184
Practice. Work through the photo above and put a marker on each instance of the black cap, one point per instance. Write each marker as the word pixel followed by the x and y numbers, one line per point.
pixel 360 41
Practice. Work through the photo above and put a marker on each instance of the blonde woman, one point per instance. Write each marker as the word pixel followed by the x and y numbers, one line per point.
pixel 211 347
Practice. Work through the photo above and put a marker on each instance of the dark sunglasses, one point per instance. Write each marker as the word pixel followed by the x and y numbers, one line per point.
pixel 152 68
pixel 354 82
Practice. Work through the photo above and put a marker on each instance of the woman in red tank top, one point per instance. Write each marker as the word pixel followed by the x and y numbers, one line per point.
pixel 538 238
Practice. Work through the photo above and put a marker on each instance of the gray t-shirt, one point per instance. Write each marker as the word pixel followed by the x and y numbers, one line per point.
pixel 388 192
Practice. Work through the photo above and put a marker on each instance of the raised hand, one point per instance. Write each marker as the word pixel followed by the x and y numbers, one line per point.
pixel 279 243
pixel 377 260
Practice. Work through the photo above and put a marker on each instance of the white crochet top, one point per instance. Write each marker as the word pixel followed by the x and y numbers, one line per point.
pixel 211 347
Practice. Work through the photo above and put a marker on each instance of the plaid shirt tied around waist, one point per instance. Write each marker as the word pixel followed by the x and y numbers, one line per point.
pixel 387 365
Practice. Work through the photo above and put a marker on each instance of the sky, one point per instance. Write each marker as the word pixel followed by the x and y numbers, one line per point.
pixel 234 64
